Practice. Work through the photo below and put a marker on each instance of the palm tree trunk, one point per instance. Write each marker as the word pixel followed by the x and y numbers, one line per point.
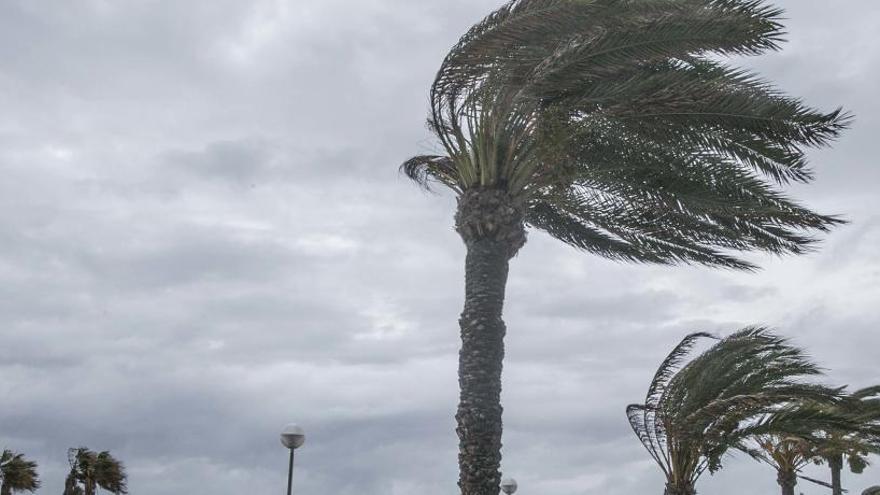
pixel 479 371
pixel 836 465
pixel 679 489
pixel 5 489
pixel 493 232
pixel 787 480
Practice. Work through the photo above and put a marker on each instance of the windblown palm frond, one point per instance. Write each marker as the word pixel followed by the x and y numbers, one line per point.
pixel 740 388
pixel 864 404
pixel 615 127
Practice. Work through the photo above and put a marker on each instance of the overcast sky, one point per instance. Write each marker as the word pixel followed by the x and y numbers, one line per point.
pixel 203 237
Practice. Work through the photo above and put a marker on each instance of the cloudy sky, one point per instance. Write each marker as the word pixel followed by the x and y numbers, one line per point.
pixel 203 237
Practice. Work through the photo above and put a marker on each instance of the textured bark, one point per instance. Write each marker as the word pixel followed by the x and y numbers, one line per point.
pixel 836 465
pixel 674 489
pixel 492 229
pixel 491 215
pixel 787 480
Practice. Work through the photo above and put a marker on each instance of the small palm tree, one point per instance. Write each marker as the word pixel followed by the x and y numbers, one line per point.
pixel 695 413
pixel 612 126
pixel 788 455
pixel 853 447
pixel 90 470
pixel 825 432
pixel 17 474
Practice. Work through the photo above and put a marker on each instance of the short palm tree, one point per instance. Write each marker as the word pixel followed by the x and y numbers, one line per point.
pixel 788 455
pixel 853 447
pixel 92 470
pixel 612 126
pixel 826 432
pixel 697 412
pixel 17 474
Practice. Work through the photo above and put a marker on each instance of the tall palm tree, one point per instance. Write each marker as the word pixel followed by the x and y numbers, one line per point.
pixel 17 474
pixel 612 126
pixel 90 470
pixel 695 413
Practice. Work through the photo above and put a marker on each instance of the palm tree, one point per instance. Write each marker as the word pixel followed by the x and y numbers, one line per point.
pixel 826 432
pixel 853 447
pixel 92 470
pixel 788 455
pixel 612 126
pixel 17 474
pixel 695 413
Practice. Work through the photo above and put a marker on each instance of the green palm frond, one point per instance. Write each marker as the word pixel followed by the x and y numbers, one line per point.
pixel 670 366
pixel 426 169
pixel 549 39
pixel 815 481
pixel 866 394
pixel 621 132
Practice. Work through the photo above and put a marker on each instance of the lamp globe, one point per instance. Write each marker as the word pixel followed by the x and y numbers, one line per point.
pixel 292 436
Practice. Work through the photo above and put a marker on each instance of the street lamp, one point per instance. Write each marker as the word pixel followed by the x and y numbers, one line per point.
pixel 508 486
pixel 292 437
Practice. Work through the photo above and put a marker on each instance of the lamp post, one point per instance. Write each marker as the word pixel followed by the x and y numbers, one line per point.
pixel 509 486
pixel 292 437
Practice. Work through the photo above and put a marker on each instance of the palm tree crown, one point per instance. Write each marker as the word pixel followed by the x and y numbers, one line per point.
pixel 17 474
pixel 92 470
pixel 610 125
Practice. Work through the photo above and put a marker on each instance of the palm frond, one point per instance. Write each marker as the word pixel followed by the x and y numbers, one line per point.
pixel 670 366
pixel 425 169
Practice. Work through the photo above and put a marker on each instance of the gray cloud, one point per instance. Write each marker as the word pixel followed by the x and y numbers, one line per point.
pixel 203 236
